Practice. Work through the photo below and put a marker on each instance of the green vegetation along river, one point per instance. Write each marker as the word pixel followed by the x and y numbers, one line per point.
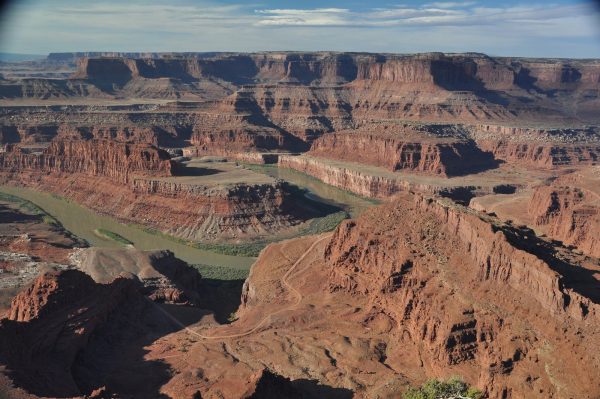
pixel 86 224
pixel 83 223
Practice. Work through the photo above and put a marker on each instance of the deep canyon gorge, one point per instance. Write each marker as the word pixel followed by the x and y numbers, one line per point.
pixel 299 225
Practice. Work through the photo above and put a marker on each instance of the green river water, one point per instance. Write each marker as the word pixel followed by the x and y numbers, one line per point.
pixel 82 221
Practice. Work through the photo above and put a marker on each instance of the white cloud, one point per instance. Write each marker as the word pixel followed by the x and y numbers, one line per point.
pixel 450 4
pixel 438 13
pixel 206 25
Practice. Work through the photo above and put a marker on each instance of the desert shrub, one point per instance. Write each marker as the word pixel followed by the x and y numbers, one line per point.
pixel 110 235
pixel 214 272
pixel 454 388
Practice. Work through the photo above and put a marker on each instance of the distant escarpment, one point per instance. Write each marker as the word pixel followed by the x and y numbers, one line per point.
pixel 433 268
pixel 455 71
pixel 404 147
pixel 375 182
pixel 568 213
pixel 41 125
pixel 361 183
pixel 287 100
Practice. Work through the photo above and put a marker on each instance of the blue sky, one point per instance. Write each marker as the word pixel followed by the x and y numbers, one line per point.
pixel 561 28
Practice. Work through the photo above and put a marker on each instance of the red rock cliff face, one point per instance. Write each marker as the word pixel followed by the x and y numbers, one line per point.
pixel 287 100
pixel 207 213
pixel 52 321
pixel 539 147
pixel 114 160
pixel 359 183
pixel 568 213
pixel 451 71
pixel 399 151
pixel 434 269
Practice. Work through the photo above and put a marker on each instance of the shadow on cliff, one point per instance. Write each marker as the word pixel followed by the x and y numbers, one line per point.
pixel 312 389
pixel 524 79
pixel 574 277
pixel 274 386
pixel 246 103
pixel 66 353
pixel 462 77
pixel 115 355
pixel 195 171
pixel 222 297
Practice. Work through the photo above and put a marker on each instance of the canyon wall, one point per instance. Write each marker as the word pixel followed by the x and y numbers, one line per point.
pixel 568 213
pixel 113 160
pixel 285 101
pixel 400 148
pixel 363 184
pixel 456 71
pixel 358 179
pixel 135 184
pixel 433 268
pixel 539 147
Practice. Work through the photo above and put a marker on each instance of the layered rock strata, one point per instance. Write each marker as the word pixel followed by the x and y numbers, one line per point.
pixel 415 289
pixel 131 182
pixel 435 281
pixel 116 161
pixel 56 324
pixel 404 147
pixel 568 213
pixel 354 177
pixel 539 147
pixel 287 100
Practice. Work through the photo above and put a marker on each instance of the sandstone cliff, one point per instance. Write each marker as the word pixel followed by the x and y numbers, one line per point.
pixel 539 147
pixel 434 268
pixel 456 71
pixel 415 289
pixel 268 101
pixel 406 147
pixel 113 160
pixel 568 213
pixel 363 184
pixel 53 321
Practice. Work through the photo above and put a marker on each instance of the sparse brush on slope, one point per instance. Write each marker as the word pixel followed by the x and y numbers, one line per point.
pixel 454 388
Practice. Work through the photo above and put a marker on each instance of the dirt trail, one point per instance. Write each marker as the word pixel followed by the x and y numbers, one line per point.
pixel 264 320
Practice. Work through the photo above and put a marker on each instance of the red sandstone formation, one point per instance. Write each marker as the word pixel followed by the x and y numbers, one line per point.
pixel 127 181
pixel 51 323
pixel 435 281
pixel 430 150
pixel 188 211
pixel 287 100
pixel 539 147
pixel 569 211
pixel 414 289
pixel 360 183
pixel 113 160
